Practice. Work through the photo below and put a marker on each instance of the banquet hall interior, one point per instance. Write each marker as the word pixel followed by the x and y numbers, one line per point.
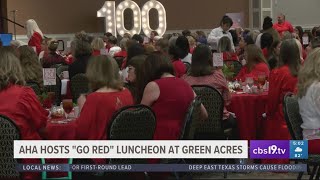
pixel 160 70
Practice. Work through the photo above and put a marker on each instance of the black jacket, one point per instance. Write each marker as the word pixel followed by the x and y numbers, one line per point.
pixel 78 66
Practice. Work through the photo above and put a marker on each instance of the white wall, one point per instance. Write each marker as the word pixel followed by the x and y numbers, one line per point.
pixel 305 13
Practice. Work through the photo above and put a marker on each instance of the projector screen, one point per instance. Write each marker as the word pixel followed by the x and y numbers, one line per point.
pixel 6 39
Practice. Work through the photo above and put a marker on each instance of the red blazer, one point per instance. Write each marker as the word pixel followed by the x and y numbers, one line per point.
pixel 258 68
pixel 35 41
pixel 22 106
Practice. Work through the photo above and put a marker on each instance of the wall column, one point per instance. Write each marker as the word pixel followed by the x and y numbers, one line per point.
pixel 3 13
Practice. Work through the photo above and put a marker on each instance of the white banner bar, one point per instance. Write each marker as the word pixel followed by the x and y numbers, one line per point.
pixel 131 149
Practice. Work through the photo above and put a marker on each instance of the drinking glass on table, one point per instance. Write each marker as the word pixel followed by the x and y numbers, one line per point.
pixel 250 81
pixel 67 105
pixel 52 97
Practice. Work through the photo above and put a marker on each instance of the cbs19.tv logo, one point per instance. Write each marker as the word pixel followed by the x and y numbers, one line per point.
pixel 278 149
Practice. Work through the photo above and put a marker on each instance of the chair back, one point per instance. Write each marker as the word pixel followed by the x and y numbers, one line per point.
pixel 119 60
pixel 192 119
pixel 62 68
pixel 132 123
pixel 292 116
pixel 188 67
pixel 56 66
pixel 35 87
pixel 214 104
pixel 8 133
pixel 234 65
pixel 79 85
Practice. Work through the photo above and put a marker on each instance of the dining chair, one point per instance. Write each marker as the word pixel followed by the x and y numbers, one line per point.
pixel 35 88
pixel 56 66
pixel 294 121
pixel 61 68
pixel 236 66
pixel 212 128
pixel 8 133
pixel 136 122
pixel 213 102
pixel 192 119
pixel 79 85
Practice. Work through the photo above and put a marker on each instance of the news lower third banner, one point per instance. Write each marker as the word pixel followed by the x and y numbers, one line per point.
pixel 125 149
pixel 162 167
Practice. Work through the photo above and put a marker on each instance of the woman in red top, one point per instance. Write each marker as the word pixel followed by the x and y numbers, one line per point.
pixel 282 80
pixel 20 103
pixel 108 96
pixel 224 46
pixel 283 25
pixel 256 64
pixel 169 97
pixel 244 41
pixel 34 34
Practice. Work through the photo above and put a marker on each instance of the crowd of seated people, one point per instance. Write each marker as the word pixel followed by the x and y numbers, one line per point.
pixel 154 73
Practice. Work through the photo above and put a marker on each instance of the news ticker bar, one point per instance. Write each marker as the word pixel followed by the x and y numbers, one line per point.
pixel 176 149
pixel 162 168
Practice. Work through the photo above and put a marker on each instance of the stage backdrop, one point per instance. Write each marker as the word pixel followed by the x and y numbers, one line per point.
pixel 69 16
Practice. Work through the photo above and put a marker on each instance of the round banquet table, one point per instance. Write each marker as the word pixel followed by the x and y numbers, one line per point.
pixel 248 109
pixel 65 131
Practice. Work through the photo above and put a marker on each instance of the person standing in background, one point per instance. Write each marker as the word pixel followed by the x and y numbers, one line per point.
pixel 217 33
pixel 283 25
pixel 268 28
pixel 34 35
